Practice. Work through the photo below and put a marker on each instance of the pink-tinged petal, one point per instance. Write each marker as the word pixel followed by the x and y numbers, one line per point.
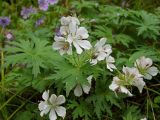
pixel 101 56
pixel 52 115
pixel 45 95
pixel 78 91
pixel 78 49
pixel 147 76
pixel 53 99
pixel 82 33
pixel 152 71
pixel 73 28
pixel 125 90
pixel 100 43
pixel 60 100
pixel 61 111
pixel 57 45
pixel 64 30
pixel 114 86
pixel 58 39
pixel 139 83
pixel 84 44
pixel 65 20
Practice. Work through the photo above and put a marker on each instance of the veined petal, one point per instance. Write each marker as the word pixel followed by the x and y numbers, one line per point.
pixel 78 49
pixel 100 43
pixel 57 45
pixel 139 83
pixel 61 111
pixel 44 108
pixel 45 95
pixel 52 115
pixel 101 56
pixel 86 88
pixel 152 71
pixel 58 39
pixel 125 90
pixel 60 100
pixel 114 86
pixel 78 91
pixel 84 44
pixel 53 99
pixel 82 32
pixel 147 76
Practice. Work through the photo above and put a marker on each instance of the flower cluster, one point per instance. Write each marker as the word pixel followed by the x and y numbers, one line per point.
pixel 52 106
pixel 26 12
pixel 44 4
pixel 102 51
pixel 4 21
pixel 71 35
pixel 134 76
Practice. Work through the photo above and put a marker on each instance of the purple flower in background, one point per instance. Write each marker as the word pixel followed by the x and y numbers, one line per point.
pixel 43 5
pixel 40 21
pixel 4 21
pixel 58 33
pixel 9 36
pixel 52 2
pixel 25 12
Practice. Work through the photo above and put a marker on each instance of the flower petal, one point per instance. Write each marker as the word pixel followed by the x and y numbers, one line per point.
pixel 139 83
pixel 100 43
pixel 82 33
pixel 86 88
pixel 78 49
pixel 60 100
pixel 148 76
pixel 78 91
pixel 84 44
pixel 101 56
pixel 125 90
pixel 53 99
pixel 43 107
pixel 152 71
pixel 52 115
pixel 61 111
pixel 45 95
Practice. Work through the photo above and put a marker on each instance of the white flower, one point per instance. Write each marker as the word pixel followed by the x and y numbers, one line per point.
pixel 115 86
pixel 101 51
pixel 52 105
pixel 109 62
pixel 83 88
pixel 73 34
pixel 78 37
pixel 62 45
pixel 144 65
pixel 130 77
pixel 68 23
pixel 133 77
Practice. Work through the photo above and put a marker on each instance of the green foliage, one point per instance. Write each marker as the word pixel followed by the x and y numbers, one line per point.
pixel 132 113
pixel 81 109
pixel 29 65
pixel 32 54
